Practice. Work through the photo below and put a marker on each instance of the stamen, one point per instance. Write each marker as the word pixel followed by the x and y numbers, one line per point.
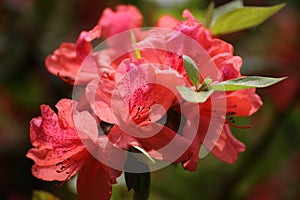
pixel 230 121
pixel 68 177
pixel 141 112
pixel 69 165
pixel 241 127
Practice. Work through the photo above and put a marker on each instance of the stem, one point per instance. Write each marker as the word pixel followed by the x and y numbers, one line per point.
pixel 142 187
pixel 140 182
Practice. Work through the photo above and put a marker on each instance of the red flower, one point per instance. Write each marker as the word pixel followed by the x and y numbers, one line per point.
pixel 219 139
pixel 239 103
pixel 59 153
pixel 125 18
pixel 219 51
pixel 133 107
pixel 65 62
pixel 167 21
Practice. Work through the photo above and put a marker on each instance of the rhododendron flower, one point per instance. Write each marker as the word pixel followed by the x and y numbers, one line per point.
pixel 139 88
pixel 59 153
pixel 66 61
pixel 125 17
pixel 130 101
pixel 239 103
pixel 220 141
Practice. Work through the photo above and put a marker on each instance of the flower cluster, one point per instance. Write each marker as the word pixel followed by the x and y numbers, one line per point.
pixel 129 101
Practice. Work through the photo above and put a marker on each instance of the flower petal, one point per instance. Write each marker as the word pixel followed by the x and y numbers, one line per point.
pixel 53 140
pixel 121 139
pixel 243 102
pixel 231 68
pixel 144 87
pixel 49 173
pixel 167 21
pixel 65 109
pixel 227 147
pixel 124 18
pixel 61 171
pixel 99 93
pixel 166 145
pixel 65 61
pixel 95 180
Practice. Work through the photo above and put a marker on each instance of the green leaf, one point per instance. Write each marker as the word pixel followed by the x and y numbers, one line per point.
pixel 192 96
pixel 209 14
pixel 245 82
pixel 242 18
pixel 204 86
pixel 221 10
pixel 192 70
pixel 42 195
pixel 137 53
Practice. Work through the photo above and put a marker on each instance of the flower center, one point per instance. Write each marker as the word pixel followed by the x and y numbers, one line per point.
pixel 141 113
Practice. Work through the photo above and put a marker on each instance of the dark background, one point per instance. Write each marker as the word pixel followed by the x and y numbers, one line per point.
pixel 270 167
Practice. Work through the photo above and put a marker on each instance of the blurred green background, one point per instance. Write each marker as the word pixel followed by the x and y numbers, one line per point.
pixel 270 167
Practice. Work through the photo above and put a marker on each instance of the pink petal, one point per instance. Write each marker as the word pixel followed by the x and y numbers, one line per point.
pixel 125 18
pixel 166 145
pixel 227 147
pixel 52 139
pixel 87 127
pixel 83 45
pixel 64 62
pixel 144 86
pixel 95 180
pixel 49 173
pixel 58 150
pixel 219 51
pixel 190 159
pixel 231 68
pixel 67 59
pixel 191 27
pixel 65 109
pixel 99 95
pixel 121 139
pixel 167 21
pixel 60 171
pixel 243 102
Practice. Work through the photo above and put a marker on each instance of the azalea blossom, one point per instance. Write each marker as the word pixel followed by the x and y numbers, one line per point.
pixel 129 102
pixel 65 61
pixel 59 153
pixel 238 103
pixel 133 107
pixel 226 66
